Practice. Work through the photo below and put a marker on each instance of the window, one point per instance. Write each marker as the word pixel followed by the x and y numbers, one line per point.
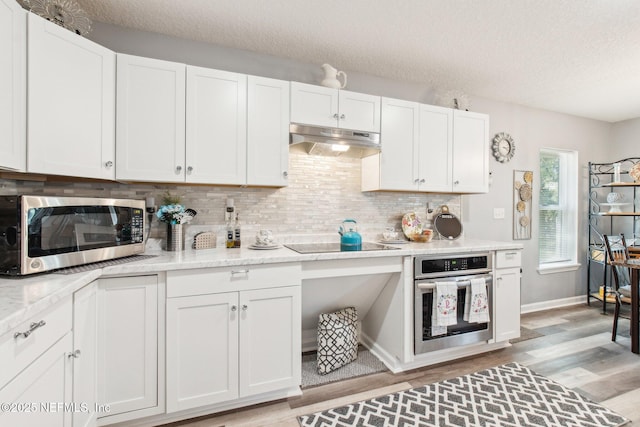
pixel 558 211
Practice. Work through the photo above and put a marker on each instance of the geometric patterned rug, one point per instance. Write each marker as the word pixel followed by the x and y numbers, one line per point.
pixel 508 395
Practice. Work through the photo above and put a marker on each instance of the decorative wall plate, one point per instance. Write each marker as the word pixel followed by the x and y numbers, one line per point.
pixel 503 147
pixel 66 13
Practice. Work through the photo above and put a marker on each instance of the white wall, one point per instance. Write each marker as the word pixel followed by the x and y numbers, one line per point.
pixel 531 129
pixel 625 140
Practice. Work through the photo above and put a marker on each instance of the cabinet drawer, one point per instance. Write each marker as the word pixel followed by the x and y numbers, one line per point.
pixel 507 259
pixel 16 353
pixel 224 279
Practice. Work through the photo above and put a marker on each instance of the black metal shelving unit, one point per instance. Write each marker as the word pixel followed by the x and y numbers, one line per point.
pixel 601 221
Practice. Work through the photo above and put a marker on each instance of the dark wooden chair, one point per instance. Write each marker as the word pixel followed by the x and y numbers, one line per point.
pixel 617 250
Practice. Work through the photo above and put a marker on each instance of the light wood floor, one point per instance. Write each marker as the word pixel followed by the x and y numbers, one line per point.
pixel 575 350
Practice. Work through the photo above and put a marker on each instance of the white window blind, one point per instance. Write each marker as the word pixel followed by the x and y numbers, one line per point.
pixel 557 241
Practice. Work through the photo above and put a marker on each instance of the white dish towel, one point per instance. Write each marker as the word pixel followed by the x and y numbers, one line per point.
pixel 476 307
pixel 445 303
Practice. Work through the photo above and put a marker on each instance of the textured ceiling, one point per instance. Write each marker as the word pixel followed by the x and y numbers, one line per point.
pixel 571 56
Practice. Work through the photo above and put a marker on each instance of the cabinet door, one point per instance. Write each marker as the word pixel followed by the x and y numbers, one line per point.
pixel 128 343
pixel 359 111
pixel 216 126
pixel 314 105
pixel 399 139
pixel 267 132
pixel 470 152
pixel 435 149
pixel 150 126
pixel 13 71
pixel 507 304
pixel 202 350
pixel 85 354
pixel 270 339
pixel 45 383
pixel 71 103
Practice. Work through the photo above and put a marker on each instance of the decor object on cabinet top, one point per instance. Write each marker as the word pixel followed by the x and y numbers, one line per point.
pixel 522 182
pixel 503 147
pixel 331 77
pixel 453 99
pixel 634 173
pixel 66 13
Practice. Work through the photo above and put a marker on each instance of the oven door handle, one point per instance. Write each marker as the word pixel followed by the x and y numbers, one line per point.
pixel 459 283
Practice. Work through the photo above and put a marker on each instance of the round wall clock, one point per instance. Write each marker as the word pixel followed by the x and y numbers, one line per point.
pixel 503 147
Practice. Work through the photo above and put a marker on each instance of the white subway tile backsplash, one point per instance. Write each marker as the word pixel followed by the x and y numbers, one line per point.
pixel 322 192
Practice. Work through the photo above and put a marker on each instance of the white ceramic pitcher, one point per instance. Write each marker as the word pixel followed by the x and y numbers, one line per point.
pixel 331 77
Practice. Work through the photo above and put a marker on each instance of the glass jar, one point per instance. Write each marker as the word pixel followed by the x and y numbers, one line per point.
pixel 616 172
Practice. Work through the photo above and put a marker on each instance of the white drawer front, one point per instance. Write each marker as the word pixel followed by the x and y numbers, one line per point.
pixel 508 259
pixel 43 330
pixel 203 281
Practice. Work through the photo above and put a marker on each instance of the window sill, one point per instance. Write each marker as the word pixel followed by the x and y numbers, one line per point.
pixel 559 268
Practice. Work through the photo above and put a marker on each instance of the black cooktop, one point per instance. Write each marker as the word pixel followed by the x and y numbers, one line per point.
pixel 316 248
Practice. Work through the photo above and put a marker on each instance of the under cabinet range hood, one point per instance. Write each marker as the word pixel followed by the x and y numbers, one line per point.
pixel 334 142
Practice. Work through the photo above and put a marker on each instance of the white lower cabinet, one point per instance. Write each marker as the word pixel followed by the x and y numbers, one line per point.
pixel 226 341
pixel 37 373
pixel 507 295
pixel 130 319
pixel 202 351
pixel 41 394
pixel 85 355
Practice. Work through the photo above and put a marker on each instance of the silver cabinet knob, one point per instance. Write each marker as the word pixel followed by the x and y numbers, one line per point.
pixel 189 169
pixel 244 307
pixel 342 116
pixel 335 116
pixel 178 169
pixel 456 182
pixel 108 164
pixel 75 354
pixel 416 181
pixel 234 308
pixel 422 181
pixel 285 174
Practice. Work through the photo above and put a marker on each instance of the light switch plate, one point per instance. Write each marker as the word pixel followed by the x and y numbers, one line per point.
pixel 498 213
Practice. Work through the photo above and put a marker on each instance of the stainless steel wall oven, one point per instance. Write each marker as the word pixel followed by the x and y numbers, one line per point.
pixel 458 269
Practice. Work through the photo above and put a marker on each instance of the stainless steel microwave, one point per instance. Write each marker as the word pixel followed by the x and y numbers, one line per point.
pixel 42 233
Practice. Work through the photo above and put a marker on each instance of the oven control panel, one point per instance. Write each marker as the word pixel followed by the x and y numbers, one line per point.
pixel 442 266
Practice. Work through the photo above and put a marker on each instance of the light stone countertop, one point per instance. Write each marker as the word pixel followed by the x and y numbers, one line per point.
pixel 23 298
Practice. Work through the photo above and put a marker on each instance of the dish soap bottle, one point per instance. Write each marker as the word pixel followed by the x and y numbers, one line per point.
pixel 236 233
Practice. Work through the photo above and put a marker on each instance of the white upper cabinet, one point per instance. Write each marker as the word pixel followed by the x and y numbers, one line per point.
pixel 150 131
pixel 216 148
pixel 13 71
pixel 323 106
pixel 396 166
pixel 358 111
pixel 267 132
pixel 429 149
pixel 71 101
pixel 470 152
pixel 436 148
pixel 179 123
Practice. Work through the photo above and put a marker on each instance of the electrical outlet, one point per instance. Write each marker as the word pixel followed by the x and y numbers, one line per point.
pixel 498 213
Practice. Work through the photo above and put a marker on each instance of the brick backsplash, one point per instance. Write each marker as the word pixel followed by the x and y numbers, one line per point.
pixel 322 192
